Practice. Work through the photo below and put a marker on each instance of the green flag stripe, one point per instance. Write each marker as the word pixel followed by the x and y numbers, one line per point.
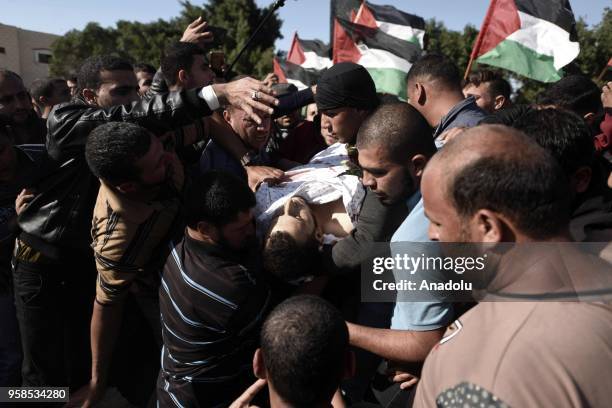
pixel 389 80
pixel 515 57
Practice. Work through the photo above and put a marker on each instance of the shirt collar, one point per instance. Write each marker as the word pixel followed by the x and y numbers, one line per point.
pixel 413 200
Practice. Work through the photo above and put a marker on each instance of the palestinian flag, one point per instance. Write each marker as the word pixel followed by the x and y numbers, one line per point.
pixel 386 41
pixel 534 38
pixel 305 62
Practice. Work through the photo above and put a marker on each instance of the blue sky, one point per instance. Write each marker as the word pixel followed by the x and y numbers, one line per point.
pixel 309 17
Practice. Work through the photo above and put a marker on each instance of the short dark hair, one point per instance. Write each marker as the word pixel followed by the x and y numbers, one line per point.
pixel 436 67
pixel 89 73
pixel 563 133
pixel 304 343
pixel 217 197
pixel 177 56
pixel 112 149
pixel 577 93
pixel 400 129
pixel 497 84
pixel 5 73
pixel 523 182
pixel 284 258
pixel 44 87
pixel 143 67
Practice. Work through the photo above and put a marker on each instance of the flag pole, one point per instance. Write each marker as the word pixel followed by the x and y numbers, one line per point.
pixel 604 70
pixel 480 38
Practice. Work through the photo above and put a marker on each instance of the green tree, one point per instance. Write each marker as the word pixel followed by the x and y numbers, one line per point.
pixel 234 20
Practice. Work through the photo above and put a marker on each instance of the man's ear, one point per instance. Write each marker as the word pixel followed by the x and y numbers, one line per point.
pixel 582 178
pixel 90 96
pixel 488 226
pixel 421 94
pixel 183 76
pixel 419 162
pixel 349 364
pixel 208 230
pixel 127 187
pixel 227 116
pixel 259 368
pixel 500 101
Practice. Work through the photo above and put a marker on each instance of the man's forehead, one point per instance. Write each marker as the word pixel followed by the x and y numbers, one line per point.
pixel 118 77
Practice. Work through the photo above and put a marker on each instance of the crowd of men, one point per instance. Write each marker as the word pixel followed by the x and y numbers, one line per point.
pixel 131 259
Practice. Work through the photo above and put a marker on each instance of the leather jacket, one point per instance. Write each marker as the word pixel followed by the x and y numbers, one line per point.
pixel 58 219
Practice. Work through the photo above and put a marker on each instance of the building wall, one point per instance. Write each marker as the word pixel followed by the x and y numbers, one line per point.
pixel 20 55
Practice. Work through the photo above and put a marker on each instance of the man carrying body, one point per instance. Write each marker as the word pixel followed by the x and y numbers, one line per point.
pixel 212 299
pixel 394 145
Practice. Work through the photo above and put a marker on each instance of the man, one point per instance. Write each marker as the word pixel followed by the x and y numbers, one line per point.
pixel 434 89
pixel 136 213
pixel 53 248
pixel 16 165
pixel 394 145
pixel 577 93
pixel 47 93
pixel 17 111
pixel 293 139
pixel 212 299
pixel 490 90
pixel 72 85
pixel 566 136
pixel 144 76
pixel 253 136
pixel 345 96
pixel 490 185
pixel 303 356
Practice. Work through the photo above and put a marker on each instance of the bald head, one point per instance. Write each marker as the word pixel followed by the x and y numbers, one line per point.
pixel 398 129
pixel 497 168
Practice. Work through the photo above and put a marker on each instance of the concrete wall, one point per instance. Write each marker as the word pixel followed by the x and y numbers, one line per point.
pixel 20 55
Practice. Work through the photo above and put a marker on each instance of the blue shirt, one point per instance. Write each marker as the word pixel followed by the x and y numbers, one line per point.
pixel 464 114
pixel 214 157
pixel 417 316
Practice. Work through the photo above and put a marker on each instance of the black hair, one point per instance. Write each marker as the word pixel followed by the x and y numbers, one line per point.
pixel 577 93
pixel 143 67
pixel 284 258
pixel 178 56
pixel 304 344
pixel 44 87
pixel 112 149
pixel 436 67
pixel 217 197
pixel 5 73
pixel 523 182
pixel 89 73
pixel 400 129
pixel 563 133
pixel 497 84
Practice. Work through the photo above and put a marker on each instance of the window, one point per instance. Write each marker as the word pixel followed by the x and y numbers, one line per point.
pixel 2 50
pixel 42 56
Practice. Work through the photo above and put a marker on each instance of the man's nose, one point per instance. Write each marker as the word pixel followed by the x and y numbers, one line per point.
pixel 368 181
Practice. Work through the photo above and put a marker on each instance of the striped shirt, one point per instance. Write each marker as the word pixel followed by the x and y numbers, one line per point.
pixel 212 307
pixel 130 237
